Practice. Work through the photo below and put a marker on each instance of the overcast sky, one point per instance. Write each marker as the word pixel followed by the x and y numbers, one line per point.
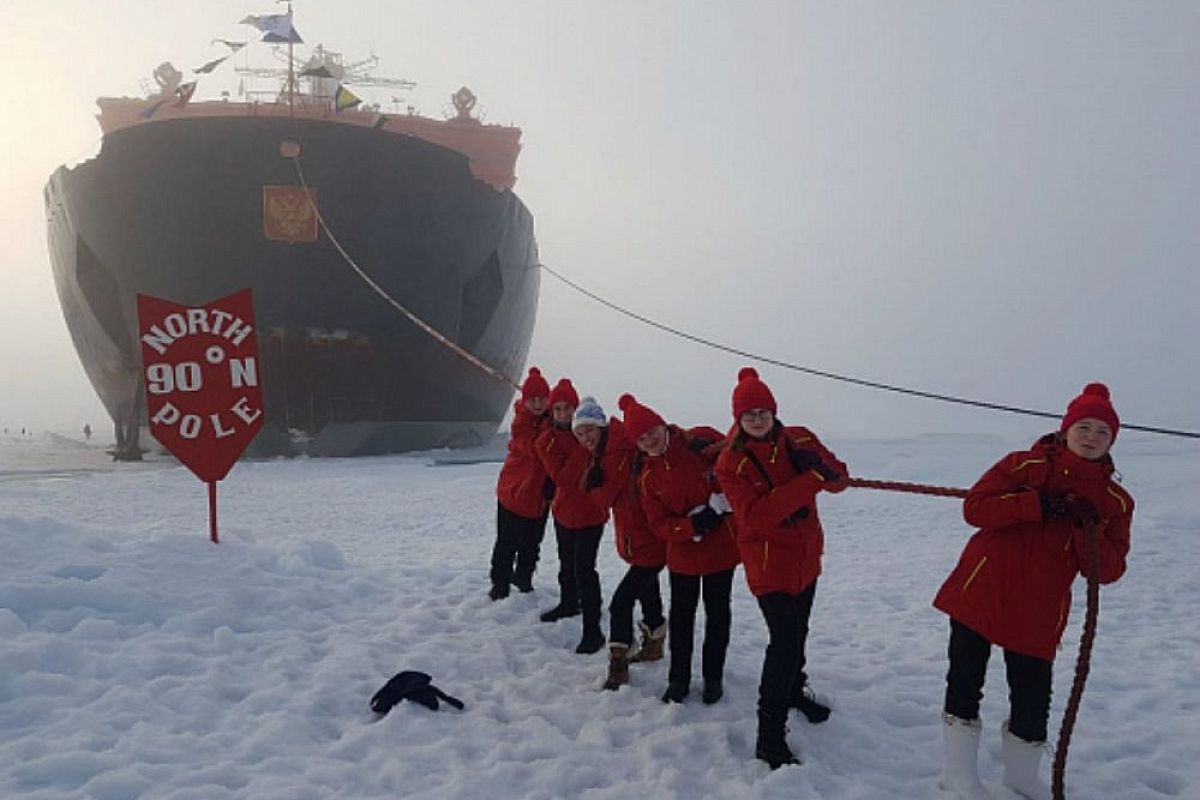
pixel 993 200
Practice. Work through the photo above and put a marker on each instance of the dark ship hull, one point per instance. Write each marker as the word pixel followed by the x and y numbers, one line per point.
pixel 175 209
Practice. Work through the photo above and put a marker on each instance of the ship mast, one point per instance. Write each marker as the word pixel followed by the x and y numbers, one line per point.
pixel 291 67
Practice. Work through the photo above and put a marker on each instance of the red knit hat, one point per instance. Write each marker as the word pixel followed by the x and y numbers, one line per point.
pixel 751 393
pixel 638 418
pixel 535 385
pixel 564 392
pixel 1092 402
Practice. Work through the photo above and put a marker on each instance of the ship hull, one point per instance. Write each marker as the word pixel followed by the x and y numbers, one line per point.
pixel 175 209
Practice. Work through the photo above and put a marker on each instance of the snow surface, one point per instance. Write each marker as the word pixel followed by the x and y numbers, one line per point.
pixel 138 660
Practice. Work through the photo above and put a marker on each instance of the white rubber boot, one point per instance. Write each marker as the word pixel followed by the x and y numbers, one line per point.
pixel 1021 762
pixel 962 759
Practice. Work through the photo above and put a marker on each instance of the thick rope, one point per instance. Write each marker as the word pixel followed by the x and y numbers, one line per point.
pixel 462 353
pixel 911 488
pixel 1082 663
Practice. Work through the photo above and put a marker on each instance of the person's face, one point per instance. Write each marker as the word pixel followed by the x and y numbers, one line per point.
pixel 654 441
pixel 1089 438
pixel 757 422
pixel 537 405
pixel 588 435
pixel 562 411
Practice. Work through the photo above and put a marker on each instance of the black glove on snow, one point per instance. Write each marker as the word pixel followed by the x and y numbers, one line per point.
pixel 548 489
pixel 594 478
pixel 1080 510
pixel 1054 506
pixel 797 515
pixel 704 521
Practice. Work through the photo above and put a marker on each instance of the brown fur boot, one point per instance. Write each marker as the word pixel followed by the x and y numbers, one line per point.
pixel 618 667
pixel 652 644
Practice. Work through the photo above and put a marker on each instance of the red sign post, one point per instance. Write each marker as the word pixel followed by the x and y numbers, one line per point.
pixel 200 367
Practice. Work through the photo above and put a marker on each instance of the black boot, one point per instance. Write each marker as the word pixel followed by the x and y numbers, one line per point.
pixel 806 701
pixel 713 691
pixel 560 611
pixel 676 691
pixel 592 641
pixel 772 746
pixel 524 585
pixel 498 593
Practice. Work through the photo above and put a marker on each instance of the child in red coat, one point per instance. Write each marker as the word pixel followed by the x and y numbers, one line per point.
pixel 684 507
pixel 522 503
pixel 611 483
pixel 578 521
pixel 772 476
pixel 1012 584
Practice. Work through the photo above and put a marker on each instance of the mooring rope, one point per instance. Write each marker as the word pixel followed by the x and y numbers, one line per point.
pixel 887 387
pixel 420 323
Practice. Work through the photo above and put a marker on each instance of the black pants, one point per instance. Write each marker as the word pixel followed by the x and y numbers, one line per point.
pixel 578 581
pixel 686 591
pixel 783 676
pixel 518 538
pixel 640 585
pixel 1029 681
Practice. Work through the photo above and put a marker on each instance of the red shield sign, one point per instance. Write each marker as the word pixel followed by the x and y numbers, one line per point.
pixel 200 367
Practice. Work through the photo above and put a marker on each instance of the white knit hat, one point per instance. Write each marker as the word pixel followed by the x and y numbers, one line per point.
pixel 589 413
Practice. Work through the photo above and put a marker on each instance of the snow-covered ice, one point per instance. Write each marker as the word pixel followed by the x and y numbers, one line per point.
pixel 138 660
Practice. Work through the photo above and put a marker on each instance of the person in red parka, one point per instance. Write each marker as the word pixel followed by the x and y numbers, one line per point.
pixel 610 482
pixel 578 521
pixel 685 508
pixel 1012 584
pixel 522 496
pixel 771 476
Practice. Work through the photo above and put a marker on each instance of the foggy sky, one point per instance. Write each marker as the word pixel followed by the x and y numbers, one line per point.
pixel 1000 201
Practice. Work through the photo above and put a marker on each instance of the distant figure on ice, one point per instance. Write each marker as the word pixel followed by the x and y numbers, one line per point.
pixel 611 482
pixel 772 476
pixel 522 493
pixel 87 432
pixel 578 521
pixel 685 508
pixel 1012 584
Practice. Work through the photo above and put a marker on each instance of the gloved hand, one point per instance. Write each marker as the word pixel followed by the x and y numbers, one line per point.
pixel 703 521
pixel 594 477
pixel 718 503
pixel 804 459
pixel 1054 506
pixel 797 515
pixel 548 489
pixel 1080 510
pixel 698 443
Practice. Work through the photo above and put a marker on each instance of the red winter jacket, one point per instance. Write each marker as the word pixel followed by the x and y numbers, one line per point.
pixel 673 484
pixel 618 490
pixel 522 478
pixel 1013 581
pixel 565 461
pixel 779 556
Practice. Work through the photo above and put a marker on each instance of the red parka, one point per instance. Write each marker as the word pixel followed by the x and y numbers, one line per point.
pixel 565 461
pixel 1013 581
pixel 522 477
pixel 618 490
pixel 672 485
pixel 779 556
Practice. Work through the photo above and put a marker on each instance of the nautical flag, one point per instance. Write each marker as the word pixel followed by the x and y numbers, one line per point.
pixel 210 66
pixel 275 27
pixel 343 98
pixel 234 46
pixel 184 93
